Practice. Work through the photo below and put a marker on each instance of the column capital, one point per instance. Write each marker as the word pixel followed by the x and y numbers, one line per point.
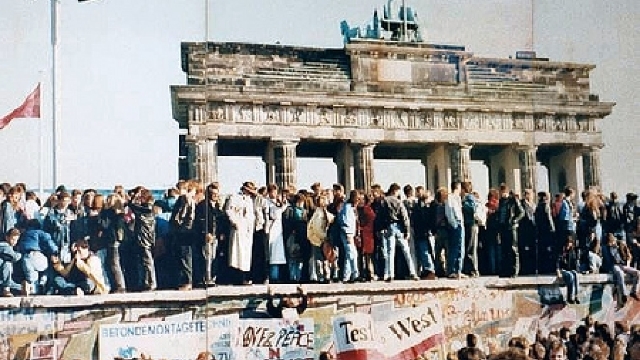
pixel 462 145
pixel 364 142
pixel 592 147
pixel 285 141
pixel 526 147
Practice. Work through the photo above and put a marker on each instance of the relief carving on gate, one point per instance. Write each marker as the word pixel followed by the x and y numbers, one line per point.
pixel 389 118
pixel 217 113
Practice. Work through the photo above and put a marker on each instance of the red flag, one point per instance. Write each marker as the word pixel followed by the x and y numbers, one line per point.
pixel 30 108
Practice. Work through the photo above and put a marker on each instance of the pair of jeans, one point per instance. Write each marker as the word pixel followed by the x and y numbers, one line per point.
pixel 6 276
pixel 66 287
pixel 185 244
pixel 274 272
pixel 423 249
pixel 470 264
pixel 441 251
pixel 210 255
pixel 619 272
pixel 393 237
pixel 350 271
pixel 295 269
pixel 510 265
pixel 148 268
pixel 317 268
pixel 33 271
pixel 113 261
pixel 570 278
pixel 455 254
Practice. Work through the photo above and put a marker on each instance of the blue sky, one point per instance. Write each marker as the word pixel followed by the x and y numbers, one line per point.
pixel 119 57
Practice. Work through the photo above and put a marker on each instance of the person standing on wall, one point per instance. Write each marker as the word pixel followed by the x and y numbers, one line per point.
pixel 241 213
pixel 545 229
pixel 182 220
pixel 455 221
pixel 527 235
pixel 210 230
pixel 470 209
pixel 509 215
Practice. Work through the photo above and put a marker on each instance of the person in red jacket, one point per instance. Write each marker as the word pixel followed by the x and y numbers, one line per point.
pixel 365 239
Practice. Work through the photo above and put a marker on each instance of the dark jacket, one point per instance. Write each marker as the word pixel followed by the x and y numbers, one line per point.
pixel 512 210
pixel 568 260
pixel 423 219
pixel 209 219
pixel 614 217
pixel 611 256
pixel 393 211
pixel 543 218
pixel 115 227
pixel 144 226
pixel 183 216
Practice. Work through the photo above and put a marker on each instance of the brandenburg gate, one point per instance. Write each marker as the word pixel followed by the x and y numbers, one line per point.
pixel 392 98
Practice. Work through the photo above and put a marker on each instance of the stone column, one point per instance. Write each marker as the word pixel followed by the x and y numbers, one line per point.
pixel 591 167
pixel 344 166
pixel 284 158
pixel 528 167
pixel 363 165
pixel 203 160
pixel 564 169
pixel 269 164
pixel 436 165
pixel 460 158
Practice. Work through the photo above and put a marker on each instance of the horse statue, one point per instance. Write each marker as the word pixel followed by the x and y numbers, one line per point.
pixel 347 32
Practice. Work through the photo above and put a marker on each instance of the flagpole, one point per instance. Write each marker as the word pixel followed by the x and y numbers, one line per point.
pixel 40 149
pixel 55 9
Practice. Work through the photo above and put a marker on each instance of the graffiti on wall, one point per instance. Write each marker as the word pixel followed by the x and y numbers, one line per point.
pixel 444 316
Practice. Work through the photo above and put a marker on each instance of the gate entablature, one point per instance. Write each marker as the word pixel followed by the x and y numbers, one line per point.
pixel 374 92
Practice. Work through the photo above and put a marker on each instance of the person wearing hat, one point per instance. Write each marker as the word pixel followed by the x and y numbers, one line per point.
pixel 241 212
pixel 84 275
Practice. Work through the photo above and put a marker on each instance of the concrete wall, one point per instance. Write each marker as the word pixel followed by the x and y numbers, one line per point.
pixel 494 308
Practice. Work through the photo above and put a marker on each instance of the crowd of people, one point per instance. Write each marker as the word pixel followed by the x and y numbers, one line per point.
pixel 590 341
pixel 86 242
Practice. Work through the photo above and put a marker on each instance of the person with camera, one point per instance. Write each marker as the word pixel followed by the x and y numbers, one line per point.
pixel 144 234
pixel 83 275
